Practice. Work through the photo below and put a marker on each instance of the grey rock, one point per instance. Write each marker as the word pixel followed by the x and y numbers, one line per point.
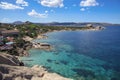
pixel 1 76
pixel 8 59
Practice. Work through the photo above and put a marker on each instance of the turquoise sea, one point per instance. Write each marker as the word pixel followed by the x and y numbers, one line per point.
pixel 80 55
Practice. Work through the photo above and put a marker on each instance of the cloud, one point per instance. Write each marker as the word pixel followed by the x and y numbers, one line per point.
pixel 6 5
pixel 22 2
pixel 33 13
pixel 87 3
pixel 46 11
pixel 52 3
pixel 82 9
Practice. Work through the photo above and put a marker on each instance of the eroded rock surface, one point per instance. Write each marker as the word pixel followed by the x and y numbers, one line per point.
pixel 9 59
pixel 10 70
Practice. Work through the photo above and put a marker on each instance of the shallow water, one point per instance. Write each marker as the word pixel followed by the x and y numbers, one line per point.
pixel 81 55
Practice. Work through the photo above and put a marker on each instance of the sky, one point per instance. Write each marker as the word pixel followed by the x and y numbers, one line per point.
pixel 44 11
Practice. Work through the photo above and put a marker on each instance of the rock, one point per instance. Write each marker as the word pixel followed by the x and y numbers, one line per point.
pixel 8 78
pixel 1 76
pixel 38 68
pixel 18 78
pixel 36 78
pixel 53 76
pixel 21 64
pixel 20 51
pixel 28 76
pixel 10 70
pixel 27 38
pixel 8 59
pixel 25 73
pixel 4 70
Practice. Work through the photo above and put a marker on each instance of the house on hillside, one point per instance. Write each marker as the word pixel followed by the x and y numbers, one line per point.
pixel 13 33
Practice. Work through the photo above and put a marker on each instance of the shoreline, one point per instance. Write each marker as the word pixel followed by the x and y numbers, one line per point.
pixel 40 36
pixel 43 36
pixel 58 31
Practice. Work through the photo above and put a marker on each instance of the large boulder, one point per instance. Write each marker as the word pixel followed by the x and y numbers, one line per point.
pixel 9 59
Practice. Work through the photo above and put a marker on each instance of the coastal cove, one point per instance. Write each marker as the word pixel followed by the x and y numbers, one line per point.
pixel 59 40
pixel 85 55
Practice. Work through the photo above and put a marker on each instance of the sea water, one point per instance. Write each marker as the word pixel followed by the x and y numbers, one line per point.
pixel 80 55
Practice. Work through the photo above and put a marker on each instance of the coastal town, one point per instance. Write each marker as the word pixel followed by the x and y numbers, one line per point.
pixel 25 33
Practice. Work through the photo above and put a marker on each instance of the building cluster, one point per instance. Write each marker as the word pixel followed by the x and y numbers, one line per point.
pixel 7 39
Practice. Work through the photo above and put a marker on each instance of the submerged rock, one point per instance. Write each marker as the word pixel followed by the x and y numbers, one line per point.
pixel 83 72
pixel 49 60
pixel 64 62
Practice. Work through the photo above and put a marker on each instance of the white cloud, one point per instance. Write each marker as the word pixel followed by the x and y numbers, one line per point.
pixel 52 3
pixel 87 3
pixel 82 9
pixel 22 2
pixel 33 13
pixel 6 5
pixel 46 11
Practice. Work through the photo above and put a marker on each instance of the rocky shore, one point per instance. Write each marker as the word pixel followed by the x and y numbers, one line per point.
pixel 12 69
pixel 28 44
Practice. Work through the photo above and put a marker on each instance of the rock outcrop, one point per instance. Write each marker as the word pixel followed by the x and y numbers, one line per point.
pixel 10 70
pixel 9 59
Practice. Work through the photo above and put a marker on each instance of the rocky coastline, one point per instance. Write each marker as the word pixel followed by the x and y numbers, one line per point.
pixel 28 44
pixel 11 69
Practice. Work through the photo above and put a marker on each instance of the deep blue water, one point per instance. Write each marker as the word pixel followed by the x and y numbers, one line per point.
pixel 81 55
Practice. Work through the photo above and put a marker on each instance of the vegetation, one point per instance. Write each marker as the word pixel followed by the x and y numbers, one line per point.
pixel 31 30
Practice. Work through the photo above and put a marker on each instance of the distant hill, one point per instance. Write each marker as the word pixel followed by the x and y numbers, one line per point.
pixel 69 24
pixel 72 24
